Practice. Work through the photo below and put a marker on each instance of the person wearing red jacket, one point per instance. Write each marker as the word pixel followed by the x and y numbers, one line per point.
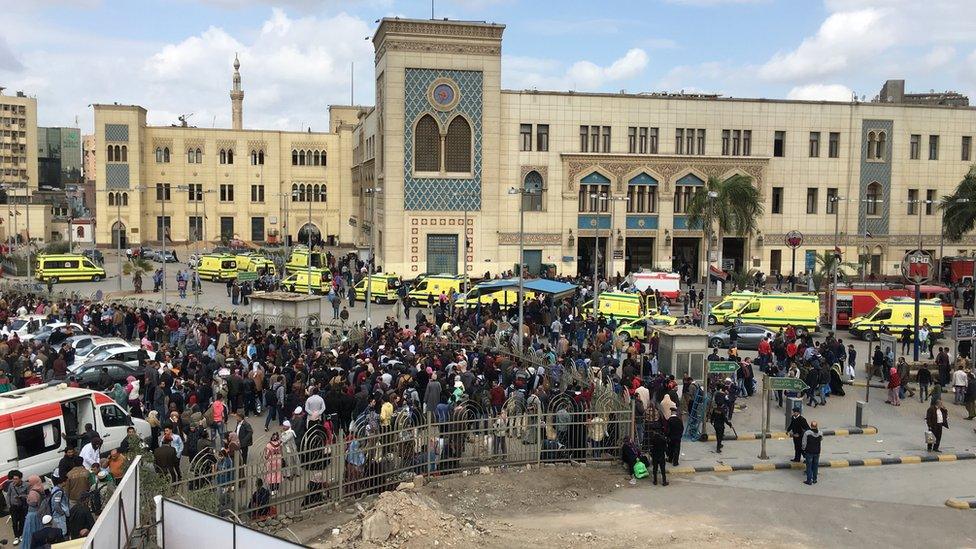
pixel 894 383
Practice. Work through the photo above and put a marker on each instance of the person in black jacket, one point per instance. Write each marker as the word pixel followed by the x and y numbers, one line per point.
pixel 630 454
pixel 658 449
pixel 798 425
pixel 811 452
pixel 720 418
pixel 245 434
pixel 675 431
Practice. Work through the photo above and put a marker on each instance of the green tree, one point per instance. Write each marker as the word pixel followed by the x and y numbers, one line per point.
pixel 959 208
pixel 736 208
pixel 138 265
pixel 826 262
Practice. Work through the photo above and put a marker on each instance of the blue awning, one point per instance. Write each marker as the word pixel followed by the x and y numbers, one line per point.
pixel 542 285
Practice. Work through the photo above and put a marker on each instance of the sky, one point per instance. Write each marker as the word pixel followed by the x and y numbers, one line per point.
pixel 174 56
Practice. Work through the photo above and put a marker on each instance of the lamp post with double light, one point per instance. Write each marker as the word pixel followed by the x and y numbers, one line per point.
pixel 522 192
pixel 371 261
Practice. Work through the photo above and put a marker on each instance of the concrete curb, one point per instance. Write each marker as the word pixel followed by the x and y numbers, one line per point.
pixel 784 435
pixel 960 503
pixel 830 464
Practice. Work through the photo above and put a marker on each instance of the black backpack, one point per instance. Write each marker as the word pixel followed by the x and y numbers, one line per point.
pixel 270 397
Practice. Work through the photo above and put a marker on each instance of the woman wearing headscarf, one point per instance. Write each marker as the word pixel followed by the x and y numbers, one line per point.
pixel 32 522
pixel 272 463
pixel 894 385
pixel 120 396
pixel 132 388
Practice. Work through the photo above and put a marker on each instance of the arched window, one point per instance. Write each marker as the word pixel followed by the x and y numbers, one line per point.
pixel 315 193
pixel 230 156
pixel 254 157
pixel 315 158
pixel 302 196
pixel 159 155
pixel 294 192
pixel 294 157
pixel 223 156
pixel 873 198
pixel 111 199
pixel 532 199
pixel 322 194
pixel 323 158
pixel 457 146
pixel 199 155
pixel 110 153
pixel 166 154
pixel 427 145
pixel 871 145
pixel 125 154
pixel 308 158
pixel 301 158
pixel 190 157
pixel 879 152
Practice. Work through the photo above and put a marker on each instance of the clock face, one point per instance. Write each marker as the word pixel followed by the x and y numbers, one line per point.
pixel 444 95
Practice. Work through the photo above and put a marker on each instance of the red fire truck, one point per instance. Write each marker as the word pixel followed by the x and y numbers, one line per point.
pixel 858 299
pixel 958 270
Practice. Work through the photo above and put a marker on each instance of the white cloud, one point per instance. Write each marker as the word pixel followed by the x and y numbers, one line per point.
pixel 709 3
pixel 939 57
pixel 844 40
pixel 8 60
pixel 529 72
pixel 820 92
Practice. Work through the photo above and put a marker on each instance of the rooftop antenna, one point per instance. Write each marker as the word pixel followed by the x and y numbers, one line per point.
pixel 431 9
pixel 183 119
pixel 213 123
pixel 352 83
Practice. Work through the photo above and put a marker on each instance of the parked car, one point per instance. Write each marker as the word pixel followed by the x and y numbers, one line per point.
pixel 84 355
pixel 118 372
pixel 94 255
pixel 128 354
pixel 141 252
pixel 168 255
pixel 749 336
pixel 46 331
pixel 26 327
pixel 82 341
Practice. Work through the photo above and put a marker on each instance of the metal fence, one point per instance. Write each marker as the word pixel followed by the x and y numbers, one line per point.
pixel 371 458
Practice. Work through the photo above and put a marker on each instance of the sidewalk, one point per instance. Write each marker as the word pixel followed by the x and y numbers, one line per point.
pixel 900 432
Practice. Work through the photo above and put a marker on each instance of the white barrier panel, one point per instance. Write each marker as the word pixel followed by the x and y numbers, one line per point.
pixel 120 514
pixel 180 526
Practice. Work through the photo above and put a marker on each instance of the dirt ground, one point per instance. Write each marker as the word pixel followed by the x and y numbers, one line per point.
pixel 548 507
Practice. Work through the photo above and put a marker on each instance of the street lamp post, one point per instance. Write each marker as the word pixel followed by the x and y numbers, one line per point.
pixel 308 198
pixel 521 192
pixel 30 272
pixel 371 261
pixel 836 264
pixel 707 232
pixel 196 196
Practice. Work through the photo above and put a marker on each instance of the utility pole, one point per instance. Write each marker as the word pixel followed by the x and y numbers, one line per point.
pixel 708 257
pixel 371 262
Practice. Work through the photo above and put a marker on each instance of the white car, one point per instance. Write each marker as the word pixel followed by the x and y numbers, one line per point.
pixel 128 354
pixel 85 354
pixel 26 327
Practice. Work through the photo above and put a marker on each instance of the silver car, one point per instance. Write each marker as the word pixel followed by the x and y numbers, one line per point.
pixel 749 336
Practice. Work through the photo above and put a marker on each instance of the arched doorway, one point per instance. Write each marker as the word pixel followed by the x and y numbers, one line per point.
pixel 307 230
pixel 119 239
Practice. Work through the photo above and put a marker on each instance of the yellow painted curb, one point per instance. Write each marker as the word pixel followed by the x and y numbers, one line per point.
pixel 838 463
pixel 872 462
pixel 798 466
pixel 870 430
pixel 841 432
pixel 911 459
pixel 722 469
pixel 957 503
pixel 947 457
pixel 764 467
pixel 682 470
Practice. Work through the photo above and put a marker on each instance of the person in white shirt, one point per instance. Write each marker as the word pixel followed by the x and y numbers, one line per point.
pixel 90 453
pixel 959 382
pixel 314 405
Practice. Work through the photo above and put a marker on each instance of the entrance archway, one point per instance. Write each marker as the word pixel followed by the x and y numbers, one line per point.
pixel 119 239
pixel 307 230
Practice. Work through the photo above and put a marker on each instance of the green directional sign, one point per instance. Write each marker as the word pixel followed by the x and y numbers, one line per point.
pixel 247 276
pixel 787 384
pixel 722 366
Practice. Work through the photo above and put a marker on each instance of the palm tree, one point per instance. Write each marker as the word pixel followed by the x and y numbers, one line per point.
pixel 137 268
pixel 826 262
pixel 959 208
pixel 735 209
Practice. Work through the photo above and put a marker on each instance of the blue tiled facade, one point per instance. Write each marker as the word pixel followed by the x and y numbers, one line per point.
pixel 875 170
pixel 432 193
pixel 689 179
pixel 116 132
pixel 601 222
pixel 681 222
pixel 642 179
pixel 117 176
pixel 642 222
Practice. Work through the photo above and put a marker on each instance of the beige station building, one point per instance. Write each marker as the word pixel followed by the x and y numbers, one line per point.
pixel 445 150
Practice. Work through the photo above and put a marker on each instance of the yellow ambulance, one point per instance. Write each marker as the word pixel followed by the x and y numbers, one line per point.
pixel 897 313
pixel 67 268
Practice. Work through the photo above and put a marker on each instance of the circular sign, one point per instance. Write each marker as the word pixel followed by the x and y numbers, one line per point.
pixel 917 266
pixel 443 94
pixel 794 239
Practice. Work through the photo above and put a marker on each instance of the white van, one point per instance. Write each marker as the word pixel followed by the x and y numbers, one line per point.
pixel 36 423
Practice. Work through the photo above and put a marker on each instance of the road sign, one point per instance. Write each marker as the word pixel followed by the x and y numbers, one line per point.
pixel 916 267
pixel 794 239
pixel 247 276
pixel 964 329
pixel 722 366
pixel 787 384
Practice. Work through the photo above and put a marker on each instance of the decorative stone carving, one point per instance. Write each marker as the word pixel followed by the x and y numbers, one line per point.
pixel 667 166
pixel 542 170
pixel 436 47
pixel 777 239
pixel 530 238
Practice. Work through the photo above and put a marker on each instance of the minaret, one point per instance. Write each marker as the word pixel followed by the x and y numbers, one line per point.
pixel 237 98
